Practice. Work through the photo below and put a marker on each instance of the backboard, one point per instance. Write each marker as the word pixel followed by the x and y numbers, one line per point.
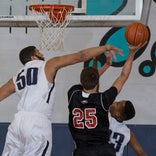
pixel 87 13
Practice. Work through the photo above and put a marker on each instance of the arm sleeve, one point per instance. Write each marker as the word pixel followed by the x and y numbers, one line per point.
pixel 109 96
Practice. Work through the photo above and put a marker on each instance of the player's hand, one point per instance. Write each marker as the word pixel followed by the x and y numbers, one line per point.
pixel 113 50
pixel 136 48
pixel 108 58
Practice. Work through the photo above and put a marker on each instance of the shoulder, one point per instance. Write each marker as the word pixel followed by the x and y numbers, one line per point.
pixel 112 89
pixel 75 87
pixel 120 126
pixel 73 90
pixel 109 95
pixel 34 64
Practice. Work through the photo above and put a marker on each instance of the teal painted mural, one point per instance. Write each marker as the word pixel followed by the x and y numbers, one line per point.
pixel 105 7
pixel 115 36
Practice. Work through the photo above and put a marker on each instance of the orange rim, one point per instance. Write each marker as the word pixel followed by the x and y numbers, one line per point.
pixel 48 7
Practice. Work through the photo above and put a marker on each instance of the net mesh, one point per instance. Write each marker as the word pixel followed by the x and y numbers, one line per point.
pixel 52 21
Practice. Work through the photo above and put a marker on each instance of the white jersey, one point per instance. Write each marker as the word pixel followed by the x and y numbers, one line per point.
pixel 36 93
pixel 119 135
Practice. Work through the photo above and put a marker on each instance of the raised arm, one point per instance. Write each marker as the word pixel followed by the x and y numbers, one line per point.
pixel 56 63
pixel 107 64
pixel 120 81
pixel 135 145
pixel 7 89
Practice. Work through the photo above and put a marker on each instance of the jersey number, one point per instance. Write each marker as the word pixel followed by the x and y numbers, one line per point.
pixel 119 138
pixel 29 79
pixel 84 119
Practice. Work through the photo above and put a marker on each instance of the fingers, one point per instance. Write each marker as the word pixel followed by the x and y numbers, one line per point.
pixel 144 44
pixel 116 50
pixel 113 50
pixel 111 53
pixel 135 48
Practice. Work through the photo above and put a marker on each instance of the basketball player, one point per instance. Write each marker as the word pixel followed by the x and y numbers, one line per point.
pixel 120 134
pixel 121 111
pixel 88 110
pixel 30 132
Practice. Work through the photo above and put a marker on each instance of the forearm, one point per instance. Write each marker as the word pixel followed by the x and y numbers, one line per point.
pixel 92 52
pixel 81 56
pixel 126 70
pixel 95 51
pixel 135 145
pixel 56 63
pixel 128 65
pixel 103 68
pixel 7 89
pixel 107 64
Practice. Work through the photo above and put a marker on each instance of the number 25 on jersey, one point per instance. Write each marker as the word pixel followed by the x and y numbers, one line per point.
pixel 86 118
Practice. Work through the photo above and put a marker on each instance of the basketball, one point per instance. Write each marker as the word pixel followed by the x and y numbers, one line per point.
pixel 136 33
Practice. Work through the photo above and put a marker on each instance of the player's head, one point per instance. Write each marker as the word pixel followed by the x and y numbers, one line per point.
pixel 89 78
pixel 30 53
pixel 122 110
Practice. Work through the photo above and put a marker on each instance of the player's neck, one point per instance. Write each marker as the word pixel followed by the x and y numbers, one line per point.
pixel 91 91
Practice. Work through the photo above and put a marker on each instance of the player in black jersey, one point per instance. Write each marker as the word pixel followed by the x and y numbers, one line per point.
pixel 88 110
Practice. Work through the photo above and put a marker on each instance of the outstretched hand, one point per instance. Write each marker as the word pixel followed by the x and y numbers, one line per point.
pixel 110 49
pixel 135 48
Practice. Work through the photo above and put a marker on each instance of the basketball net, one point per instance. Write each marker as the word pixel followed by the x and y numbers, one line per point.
pixel 52 21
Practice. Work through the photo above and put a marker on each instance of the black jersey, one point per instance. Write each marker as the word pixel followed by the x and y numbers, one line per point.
pixel 88 115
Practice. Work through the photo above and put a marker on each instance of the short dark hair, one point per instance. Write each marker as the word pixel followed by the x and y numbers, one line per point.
pixel 89 78
pixel 26 53
pixel 128 111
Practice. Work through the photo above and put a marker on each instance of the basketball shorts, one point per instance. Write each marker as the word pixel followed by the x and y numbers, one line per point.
pixel 97 150
pixel 30 134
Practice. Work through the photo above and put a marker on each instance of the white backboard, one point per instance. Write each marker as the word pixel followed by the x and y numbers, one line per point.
pixel 87 13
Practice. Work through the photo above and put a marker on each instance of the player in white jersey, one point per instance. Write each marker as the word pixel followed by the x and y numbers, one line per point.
pixel 30 133
pixel 120 134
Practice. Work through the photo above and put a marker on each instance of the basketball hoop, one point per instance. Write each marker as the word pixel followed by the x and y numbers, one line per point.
pixel 52 19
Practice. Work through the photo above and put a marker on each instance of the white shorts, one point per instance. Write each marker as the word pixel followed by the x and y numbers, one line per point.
pixel 30 134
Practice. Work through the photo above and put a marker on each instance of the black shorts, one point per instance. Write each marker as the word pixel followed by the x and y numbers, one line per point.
pixel 97 150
